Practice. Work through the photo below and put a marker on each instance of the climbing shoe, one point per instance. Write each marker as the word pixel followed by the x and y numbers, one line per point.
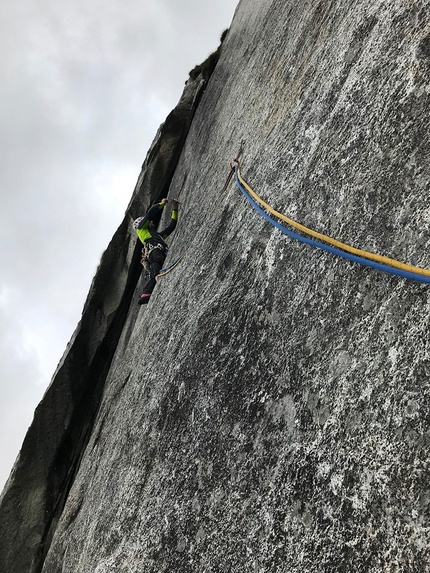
pixel 144 299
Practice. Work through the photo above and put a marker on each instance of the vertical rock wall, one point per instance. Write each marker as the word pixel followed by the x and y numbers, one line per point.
pixel 269 409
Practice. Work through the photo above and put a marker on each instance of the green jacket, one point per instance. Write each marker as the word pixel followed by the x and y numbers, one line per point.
pixel 148 233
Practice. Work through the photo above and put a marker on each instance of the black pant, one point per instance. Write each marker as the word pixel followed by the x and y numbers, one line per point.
pixel 156 261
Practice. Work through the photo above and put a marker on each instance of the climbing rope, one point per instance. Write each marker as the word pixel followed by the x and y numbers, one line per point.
pixel 372 260
pixel 169 268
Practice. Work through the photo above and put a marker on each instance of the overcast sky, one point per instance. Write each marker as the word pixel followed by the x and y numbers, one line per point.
pixel 84 87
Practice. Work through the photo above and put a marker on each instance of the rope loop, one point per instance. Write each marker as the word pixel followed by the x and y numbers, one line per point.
pixel 334 246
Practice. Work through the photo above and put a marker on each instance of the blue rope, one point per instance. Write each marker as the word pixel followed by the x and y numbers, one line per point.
pixel 175 262
pixel 329 248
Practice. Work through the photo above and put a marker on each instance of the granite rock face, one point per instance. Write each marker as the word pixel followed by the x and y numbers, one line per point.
pixel 268 410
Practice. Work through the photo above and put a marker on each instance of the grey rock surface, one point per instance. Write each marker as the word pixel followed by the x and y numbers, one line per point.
pixel 268 411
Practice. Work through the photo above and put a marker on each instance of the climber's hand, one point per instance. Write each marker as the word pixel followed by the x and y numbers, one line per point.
pixel 175 204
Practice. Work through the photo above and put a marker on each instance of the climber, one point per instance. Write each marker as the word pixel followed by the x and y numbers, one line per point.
pixel 154 249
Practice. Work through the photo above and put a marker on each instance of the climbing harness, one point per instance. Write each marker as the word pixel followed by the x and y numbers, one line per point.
pixel 147 250
pixel 149 247
pixel 343 250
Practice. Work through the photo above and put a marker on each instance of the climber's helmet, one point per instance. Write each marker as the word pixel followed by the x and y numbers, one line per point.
pixel 137 222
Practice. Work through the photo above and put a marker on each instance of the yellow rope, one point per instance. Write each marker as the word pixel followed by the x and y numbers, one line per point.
pixel 174 265
pixel 331 241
